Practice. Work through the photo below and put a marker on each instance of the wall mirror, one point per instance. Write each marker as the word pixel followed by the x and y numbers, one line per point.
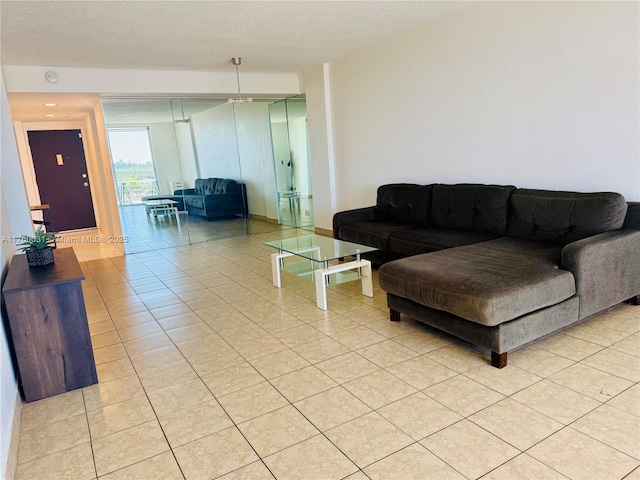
pixel 172 156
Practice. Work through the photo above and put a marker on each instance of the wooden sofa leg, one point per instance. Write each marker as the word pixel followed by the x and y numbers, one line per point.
pixel 633 300
pixel 499 360
pixel 394 316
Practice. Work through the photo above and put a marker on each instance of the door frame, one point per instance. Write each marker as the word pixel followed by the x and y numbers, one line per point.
pixel 26 160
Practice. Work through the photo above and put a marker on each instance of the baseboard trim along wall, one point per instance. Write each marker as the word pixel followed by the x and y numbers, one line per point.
pixel 327 232
pixel 12 454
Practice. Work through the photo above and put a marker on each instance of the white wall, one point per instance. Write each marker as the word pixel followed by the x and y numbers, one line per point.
pixel 535 94
pixel 15 220
pixel 256 157
pixel 321 148
pixel 186 155
pixel 165 155
pixel 9 399
pixel 125 81
pixel 282 154
pixel 300 155
pixel 98 150
pixel 248 155
pixel 215 139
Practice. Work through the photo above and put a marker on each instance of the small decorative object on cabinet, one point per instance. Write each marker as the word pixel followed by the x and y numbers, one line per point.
pixel 49 327
pixel 38 248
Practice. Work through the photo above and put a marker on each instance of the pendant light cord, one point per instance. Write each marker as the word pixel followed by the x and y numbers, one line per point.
pixel 238 78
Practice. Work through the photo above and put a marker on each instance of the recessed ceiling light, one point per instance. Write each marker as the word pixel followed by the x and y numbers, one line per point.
pixel 49 115
pixel 50 104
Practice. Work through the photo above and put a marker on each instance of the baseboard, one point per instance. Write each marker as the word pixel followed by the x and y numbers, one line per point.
pixel 12 454
pixel 324 231
pixel 263 218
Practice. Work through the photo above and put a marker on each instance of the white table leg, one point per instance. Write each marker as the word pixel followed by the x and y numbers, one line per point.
pixel 367 283
pixel 275 269
pixel 321 288
pixel 322 274
pixel 276 260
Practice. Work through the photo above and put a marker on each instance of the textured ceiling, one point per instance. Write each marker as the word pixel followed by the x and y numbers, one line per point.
pixel 270 36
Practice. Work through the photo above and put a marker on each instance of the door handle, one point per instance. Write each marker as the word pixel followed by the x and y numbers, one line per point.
pixel 86 184
pixel 84 175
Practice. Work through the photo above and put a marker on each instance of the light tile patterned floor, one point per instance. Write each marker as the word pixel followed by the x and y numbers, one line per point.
pixel 147 233
pixel 206 370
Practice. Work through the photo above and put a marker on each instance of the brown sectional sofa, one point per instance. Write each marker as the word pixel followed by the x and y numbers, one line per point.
pixel 496 265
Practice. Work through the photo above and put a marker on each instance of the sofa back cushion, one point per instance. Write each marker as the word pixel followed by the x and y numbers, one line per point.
pixel 205 186
pixel 563 217
pixel 226 185
pixel 471 207
pixel 403 203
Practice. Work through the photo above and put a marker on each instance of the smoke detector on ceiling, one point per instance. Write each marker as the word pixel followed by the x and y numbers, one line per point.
pixel 51 76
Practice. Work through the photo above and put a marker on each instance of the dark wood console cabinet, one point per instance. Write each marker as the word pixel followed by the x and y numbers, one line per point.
pixel 49 326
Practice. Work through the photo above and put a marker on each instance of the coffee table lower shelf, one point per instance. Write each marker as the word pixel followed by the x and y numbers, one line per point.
pixel 321 275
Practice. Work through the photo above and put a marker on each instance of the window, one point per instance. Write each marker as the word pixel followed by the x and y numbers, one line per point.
pixel 133 165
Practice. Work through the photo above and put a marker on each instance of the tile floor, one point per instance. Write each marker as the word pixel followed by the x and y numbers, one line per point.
pixel 144 233
pixel 206 370
pixel 89 244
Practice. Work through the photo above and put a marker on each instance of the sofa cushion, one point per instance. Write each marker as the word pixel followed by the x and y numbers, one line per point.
pixel 195 201
pixel 471 207
pixel 403 203
pixel 563 217
pixel 487 283
pixel 424 240
pixel 374 234
pixel 226 186
pixel 205 186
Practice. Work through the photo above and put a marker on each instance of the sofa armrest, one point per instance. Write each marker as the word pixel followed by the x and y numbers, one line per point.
pixel 366 214
pixel 606 268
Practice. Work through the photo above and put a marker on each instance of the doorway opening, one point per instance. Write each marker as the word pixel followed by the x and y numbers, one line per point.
pixel 62 179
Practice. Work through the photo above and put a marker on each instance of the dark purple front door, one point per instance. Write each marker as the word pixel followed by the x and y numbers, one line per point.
pixel 63 180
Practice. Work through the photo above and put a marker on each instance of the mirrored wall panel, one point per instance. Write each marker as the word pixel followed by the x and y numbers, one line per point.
pixel 146 168
pixel 215 195
pixel 290 143
pixel 190 170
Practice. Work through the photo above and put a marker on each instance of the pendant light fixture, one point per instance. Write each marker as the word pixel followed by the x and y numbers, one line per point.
pixel 237 61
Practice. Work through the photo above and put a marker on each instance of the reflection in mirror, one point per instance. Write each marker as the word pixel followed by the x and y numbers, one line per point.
pixel 208 171
pixel 213 191
pixel 256 162
pixel 294 198
pixel 144 156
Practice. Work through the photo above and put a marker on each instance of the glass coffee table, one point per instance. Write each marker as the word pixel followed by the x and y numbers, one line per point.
pixel 161 207
pixel 321 259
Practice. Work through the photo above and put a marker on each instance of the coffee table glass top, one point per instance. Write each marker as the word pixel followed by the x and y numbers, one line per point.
pixel 319 248
pixel 160 203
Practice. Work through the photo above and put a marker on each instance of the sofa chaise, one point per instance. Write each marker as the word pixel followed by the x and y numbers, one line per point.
pixel 496 265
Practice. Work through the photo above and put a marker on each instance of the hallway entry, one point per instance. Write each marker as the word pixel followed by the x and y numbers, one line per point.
pixel 62 178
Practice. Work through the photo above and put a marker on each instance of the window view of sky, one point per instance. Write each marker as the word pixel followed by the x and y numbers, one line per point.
pixel 130 146
pixel 133 168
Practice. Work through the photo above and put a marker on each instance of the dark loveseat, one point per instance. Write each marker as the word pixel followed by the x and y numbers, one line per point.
pixel 496 265
pixel 215 198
